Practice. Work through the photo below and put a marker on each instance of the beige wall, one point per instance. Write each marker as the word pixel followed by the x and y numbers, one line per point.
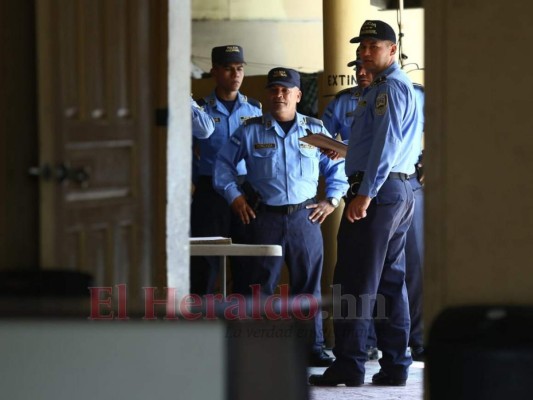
pixel 273 33
pixel 284 32
pixel 479 153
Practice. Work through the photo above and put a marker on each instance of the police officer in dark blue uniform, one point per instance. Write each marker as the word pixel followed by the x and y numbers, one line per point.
pixel 370 268
pixel 210 214
pixel 283 173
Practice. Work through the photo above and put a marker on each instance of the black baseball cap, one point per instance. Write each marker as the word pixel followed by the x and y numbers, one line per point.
pixel 375 29
pixel 284 77
pixel 228 54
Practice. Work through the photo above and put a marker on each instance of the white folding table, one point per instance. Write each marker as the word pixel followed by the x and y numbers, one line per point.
pixel 234 249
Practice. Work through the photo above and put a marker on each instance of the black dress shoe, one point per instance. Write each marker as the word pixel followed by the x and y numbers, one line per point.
pixel 384 379
pixel 332 380
pixel 321 359
pixel 418 353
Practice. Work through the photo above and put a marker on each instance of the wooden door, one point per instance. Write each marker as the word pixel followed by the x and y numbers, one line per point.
pixel 95 125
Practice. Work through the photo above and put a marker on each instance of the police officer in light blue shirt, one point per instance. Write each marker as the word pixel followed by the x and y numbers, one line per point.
pixel 414 248
pixel 370 273
pixel 338 116
pixel 280 206
pixel 210 214
pixel 202 127
pixel 202 124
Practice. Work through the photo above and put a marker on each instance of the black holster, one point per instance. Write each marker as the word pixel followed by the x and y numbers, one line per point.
pixel 252 196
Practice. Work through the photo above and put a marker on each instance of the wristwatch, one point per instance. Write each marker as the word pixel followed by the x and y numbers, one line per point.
pixel 333 201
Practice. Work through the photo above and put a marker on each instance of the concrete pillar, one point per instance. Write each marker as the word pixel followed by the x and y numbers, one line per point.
pixel 178 146
pixel 341 22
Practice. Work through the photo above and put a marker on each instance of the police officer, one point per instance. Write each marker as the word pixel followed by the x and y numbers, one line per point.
pixel 210 214
pixel 414 248
pixel 283 172
pixel 338 115
pixel 202 124
pixel 338 118
pixel 370 268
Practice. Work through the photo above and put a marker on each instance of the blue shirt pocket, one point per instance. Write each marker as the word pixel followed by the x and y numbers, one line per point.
pixel 263 163
pixel 309 163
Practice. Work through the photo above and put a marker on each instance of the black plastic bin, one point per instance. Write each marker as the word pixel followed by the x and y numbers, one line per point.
pixel 481 352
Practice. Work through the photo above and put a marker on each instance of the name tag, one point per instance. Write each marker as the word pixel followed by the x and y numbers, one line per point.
pixel 264 146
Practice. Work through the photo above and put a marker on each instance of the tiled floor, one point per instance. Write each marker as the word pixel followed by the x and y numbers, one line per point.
pixel 412 391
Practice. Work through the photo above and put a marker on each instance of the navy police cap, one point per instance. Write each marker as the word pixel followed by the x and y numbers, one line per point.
pixel 357 60
pixel 284 77
pixel 375 29
pixel 227 54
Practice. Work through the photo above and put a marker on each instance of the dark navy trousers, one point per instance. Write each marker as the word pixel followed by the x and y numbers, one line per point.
pixel 414 261
pixel 212 216
pixel 370 272
pixel 302 247
pixel 414 274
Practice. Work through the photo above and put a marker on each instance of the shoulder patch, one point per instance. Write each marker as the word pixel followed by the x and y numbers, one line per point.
pixel 379 81
pixel 381 103
pixel 255 103
pixel 234 140
pixel 313 121
pixel 254 120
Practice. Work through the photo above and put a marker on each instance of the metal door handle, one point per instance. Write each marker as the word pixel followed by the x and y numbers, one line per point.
pixel 63 172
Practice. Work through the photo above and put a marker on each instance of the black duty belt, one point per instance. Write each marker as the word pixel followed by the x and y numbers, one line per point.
pixel 401 176
pixel 287 209
pixel 356 179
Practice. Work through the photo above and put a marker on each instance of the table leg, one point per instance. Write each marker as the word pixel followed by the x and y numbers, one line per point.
pixel 223 261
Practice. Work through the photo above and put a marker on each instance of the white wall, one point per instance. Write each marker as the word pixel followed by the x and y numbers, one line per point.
pixel 179 146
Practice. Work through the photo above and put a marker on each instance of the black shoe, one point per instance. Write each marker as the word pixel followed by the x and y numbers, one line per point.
pixel 332 380
pixel 321 359
pixel 372 353
pixel 418 354
pixel 383 379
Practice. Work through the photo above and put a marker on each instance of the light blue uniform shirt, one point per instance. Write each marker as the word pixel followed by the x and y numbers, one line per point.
pixel 338 115
pixel 421 99
pixel 225 125
pixel 202 124
pixel 386 135
pixel 282 169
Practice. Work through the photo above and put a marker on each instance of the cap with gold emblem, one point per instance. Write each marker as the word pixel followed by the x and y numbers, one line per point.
pixel 227 54
pixel 376 29
pixel 284 77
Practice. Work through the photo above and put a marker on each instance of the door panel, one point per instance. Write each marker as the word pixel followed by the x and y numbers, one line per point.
pixel 94 74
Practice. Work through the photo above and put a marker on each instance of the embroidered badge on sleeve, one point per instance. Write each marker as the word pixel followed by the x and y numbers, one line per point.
pixel 381 104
